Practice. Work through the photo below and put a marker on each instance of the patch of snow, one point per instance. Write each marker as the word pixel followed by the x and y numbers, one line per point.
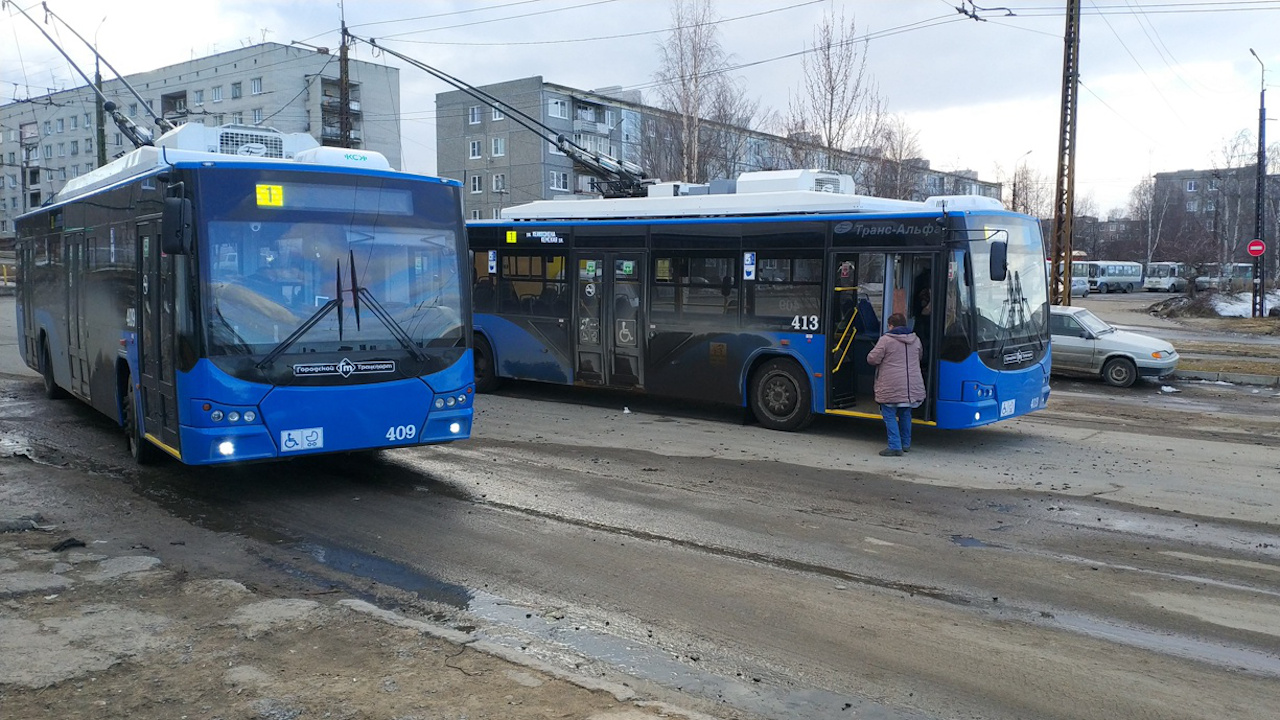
pixel 1241 304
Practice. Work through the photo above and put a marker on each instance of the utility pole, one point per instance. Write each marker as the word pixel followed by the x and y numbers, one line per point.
pixel 1260 223
pixel 100 115
pixel 344 89
pixel 1064 195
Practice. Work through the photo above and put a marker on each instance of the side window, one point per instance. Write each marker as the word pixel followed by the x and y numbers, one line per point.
pixel 533 285
pixel 787 293
pixel 484 294
pixel 691 286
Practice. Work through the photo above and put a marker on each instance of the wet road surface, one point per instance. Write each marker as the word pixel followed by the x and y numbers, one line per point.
pixel 1114 556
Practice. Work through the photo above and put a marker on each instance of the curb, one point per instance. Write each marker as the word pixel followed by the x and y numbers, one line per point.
pixel 1228 377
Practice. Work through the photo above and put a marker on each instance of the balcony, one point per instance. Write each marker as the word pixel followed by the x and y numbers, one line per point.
pixel 330 103
pixel 590 126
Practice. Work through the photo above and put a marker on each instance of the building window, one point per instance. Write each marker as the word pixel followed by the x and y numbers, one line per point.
pixel 1210 206
pixel 475 149
pixel 1192 206
pixel 88 146
pixel 475 214
pixel 499 182
pixel 75 147
pixel 559 180
pixel 62 173
pixel 558 108
pixel 1193 185
pixel 133 109
pixel 473 115
pixel 87 123
pixel 477 183
pixel 236 92
pixel 1213 185
pixel 217 93
pixel 62 149
pixel 555 150
pixel 60 125
pixel 75 171
pixel 237 118
pixel 48 128
pixel 257 116
pixel 119 139
pixel 75 122
pixel 499 147
pixel 497 214
pixel 497 114
pixel 198 97
pixel 255 86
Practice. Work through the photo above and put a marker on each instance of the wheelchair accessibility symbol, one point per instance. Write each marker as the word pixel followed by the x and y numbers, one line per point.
pixel 301 439
pixel 625 333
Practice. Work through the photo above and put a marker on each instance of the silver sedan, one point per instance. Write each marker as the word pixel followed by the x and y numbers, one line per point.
pixel 1084 344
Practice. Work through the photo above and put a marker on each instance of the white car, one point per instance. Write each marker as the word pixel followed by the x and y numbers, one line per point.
pixel 1081 343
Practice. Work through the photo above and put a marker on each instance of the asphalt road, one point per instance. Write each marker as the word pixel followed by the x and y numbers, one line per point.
pixel 1114 556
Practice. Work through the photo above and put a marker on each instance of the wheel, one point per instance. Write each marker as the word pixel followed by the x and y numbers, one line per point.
pixel 1120 372
pixel 780 396
pixel 51 389
pixel 487 379
pixel 1128 288
pixel 143 452
pixel 1102 288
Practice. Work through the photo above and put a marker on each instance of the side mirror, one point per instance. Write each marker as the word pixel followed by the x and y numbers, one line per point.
pixel 175 226
pixel 999 260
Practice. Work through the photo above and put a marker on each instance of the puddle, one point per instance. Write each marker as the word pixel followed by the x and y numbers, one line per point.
pixel 1244 660
pixel 966 541
pixel 372 567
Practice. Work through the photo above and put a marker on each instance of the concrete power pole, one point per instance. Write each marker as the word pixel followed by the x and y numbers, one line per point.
pixel 344 90
pixel 100 115
pixel 1064 196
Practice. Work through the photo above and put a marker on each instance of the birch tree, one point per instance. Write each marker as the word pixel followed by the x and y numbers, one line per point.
pixel 691 64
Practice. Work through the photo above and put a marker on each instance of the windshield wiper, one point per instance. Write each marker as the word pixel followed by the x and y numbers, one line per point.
pixel 311 322
pixel 381 313
pixel 239 342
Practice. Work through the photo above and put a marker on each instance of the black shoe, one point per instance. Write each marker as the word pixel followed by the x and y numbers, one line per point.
pixel 906 449
pixel 890 452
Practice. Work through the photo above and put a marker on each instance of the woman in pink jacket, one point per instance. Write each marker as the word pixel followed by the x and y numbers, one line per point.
pixel 899 383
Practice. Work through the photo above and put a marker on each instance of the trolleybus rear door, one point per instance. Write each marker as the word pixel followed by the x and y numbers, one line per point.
pixel 158 341
pixel 609 315
pixel 77 328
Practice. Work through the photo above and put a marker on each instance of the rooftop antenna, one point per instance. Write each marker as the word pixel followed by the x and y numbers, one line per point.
pixel 164 124
pixel 136 135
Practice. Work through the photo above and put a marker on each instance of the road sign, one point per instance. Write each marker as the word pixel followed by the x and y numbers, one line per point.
pixel 1256 248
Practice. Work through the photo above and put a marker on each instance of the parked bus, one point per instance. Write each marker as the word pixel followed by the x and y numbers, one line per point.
pixel 1233 278
pixel 1166 277
pixel 1113 275
pixel 767 297
pixel 280 300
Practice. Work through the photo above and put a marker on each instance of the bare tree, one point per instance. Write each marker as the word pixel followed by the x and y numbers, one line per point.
pixel 725 149
pixel 692 61
pixel 1231 227
pixel 1031 192
pixel 897 171
pixel 838 108
pixel 1149 206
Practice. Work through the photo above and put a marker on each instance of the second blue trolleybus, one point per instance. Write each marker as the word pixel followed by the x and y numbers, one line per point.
pixel 768 296
pixel 234 294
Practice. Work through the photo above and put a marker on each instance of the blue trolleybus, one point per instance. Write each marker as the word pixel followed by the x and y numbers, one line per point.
pixel 763 295
pixel 234 294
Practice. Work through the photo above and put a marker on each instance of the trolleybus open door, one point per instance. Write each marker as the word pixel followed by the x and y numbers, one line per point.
pixel 609 317
pixel 157 340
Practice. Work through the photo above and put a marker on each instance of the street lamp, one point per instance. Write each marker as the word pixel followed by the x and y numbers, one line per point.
pixel 1016 163
pixel 1259 267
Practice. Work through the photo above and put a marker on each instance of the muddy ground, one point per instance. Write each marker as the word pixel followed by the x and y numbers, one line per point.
pixel 109 610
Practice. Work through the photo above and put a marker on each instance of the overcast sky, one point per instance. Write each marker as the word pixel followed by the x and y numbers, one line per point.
pixel 1165 84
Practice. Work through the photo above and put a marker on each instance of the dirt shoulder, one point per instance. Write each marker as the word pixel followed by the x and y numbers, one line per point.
pixel 109 610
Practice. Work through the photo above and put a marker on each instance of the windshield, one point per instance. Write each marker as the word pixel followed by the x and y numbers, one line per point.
pixel 1093 323
pixel 267 279
pixel 1013 311
pixel 337 270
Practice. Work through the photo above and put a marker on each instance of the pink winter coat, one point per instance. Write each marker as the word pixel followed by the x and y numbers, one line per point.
pixel 898 378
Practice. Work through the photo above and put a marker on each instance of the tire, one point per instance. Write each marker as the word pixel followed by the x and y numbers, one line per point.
pixel 487 379
pixel 1120 372
pixel 51 389
pixel 1102 288
pixel 141 449
pixel 780 396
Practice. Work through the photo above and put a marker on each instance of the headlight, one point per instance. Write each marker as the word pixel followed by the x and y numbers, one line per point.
pixel 233 416
pixel 439 403
pixel 1160 354
pixel 216 416
pixel 249 416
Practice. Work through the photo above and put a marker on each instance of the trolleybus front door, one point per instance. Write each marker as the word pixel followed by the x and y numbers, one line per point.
pixel 609 316
pixel 158 343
